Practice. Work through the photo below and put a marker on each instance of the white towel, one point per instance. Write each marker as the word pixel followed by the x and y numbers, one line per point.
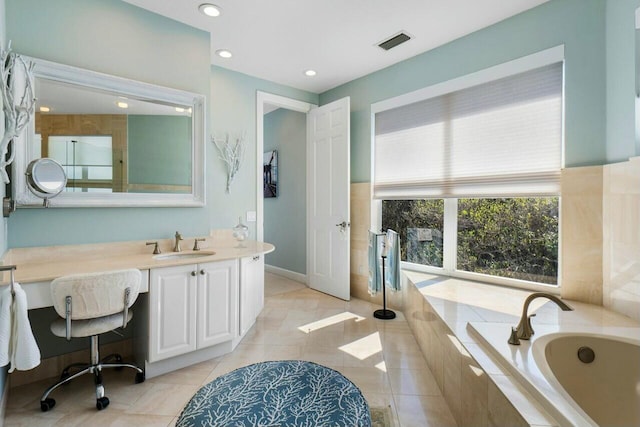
pixel 375 272
pixel 23 350
pixel 5 324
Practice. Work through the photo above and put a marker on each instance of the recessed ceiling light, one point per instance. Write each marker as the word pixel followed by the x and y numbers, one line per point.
pixel 224 53
pixel 44 109
pixel 210 9
pixel 310 73
pixel 122 104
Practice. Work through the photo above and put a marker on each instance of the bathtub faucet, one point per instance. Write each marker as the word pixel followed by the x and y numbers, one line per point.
pixel 524 330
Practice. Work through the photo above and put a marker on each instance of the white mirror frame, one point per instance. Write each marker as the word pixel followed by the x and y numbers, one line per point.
pixel 135 89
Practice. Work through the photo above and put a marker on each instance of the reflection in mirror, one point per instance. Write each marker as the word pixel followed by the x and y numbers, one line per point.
pixel 121 142
pixel 110 143
pixel 87 161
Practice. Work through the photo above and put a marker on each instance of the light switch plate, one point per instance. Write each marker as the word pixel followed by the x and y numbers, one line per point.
pixel 251 216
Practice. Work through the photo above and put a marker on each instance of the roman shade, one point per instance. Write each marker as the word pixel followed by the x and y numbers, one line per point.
pixel 497 139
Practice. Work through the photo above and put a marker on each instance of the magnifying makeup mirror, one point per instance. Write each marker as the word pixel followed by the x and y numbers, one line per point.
pixel 46 179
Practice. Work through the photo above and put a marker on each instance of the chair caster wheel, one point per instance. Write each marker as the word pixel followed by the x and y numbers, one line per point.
pixel 102 403
pixel 47 404
pixel 139 377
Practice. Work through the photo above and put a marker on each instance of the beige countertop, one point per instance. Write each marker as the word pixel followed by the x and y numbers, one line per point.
pixel 41 264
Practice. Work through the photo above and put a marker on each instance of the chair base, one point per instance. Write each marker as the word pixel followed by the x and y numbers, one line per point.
pixel 95 367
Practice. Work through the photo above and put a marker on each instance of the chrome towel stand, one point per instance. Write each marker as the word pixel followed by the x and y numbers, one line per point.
pixel 11 268
pixel 384 314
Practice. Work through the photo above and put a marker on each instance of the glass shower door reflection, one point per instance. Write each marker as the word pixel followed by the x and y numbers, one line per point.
pixel 87 160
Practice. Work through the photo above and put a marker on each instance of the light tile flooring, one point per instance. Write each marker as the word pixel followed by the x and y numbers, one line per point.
pixel 381 357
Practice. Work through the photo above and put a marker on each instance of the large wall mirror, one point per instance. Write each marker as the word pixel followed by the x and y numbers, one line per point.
pixel 120 142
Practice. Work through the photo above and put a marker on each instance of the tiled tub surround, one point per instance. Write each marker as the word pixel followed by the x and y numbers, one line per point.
pixel 479 390
pixel 621 237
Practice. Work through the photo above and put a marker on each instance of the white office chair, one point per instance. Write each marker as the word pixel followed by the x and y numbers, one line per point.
pixel 92 304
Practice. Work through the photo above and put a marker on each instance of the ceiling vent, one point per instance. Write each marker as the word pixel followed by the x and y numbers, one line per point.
pixel 394 41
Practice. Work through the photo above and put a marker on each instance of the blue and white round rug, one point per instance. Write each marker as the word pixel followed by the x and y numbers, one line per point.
pixel 281 393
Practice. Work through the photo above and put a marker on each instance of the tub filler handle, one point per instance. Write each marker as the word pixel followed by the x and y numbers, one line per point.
pixel 513 339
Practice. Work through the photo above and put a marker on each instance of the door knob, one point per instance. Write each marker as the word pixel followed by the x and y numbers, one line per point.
pixel 202 272
pixel 343 224
pixel 193 273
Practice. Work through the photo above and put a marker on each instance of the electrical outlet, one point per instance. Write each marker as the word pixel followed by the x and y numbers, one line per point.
pixel 251 216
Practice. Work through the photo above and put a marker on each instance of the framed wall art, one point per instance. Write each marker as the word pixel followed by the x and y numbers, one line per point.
pixel 270 174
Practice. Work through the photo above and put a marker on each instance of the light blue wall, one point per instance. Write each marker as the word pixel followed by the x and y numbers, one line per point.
pixel 621 80
pixel 578 24
pixel 285 216
pixel 113 37
pixel 234 111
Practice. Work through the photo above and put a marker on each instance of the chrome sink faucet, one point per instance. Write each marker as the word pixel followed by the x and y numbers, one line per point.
pixel 177 247
pixel 524 330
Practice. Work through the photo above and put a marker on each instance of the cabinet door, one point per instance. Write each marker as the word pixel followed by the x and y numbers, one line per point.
pixel 251 291
pixel 172 312
pixel 217 302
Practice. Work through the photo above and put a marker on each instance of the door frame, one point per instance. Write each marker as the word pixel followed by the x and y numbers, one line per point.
pixel 283 102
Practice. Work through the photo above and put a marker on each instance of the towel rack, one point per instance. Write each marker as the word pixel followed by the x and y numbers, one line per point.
pixel 385 313
pixel 11 268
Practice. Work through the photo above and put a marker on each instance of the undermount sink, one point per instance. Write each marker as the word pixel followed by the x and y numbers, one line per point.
pixel 181 255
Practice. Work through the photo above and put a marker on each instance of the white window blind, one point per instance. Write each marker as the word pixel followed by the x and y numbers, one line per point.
pixel 497 139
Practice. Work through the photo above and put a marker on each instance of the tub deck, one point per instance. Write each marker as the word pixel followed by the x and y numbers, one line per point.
pixel 478 387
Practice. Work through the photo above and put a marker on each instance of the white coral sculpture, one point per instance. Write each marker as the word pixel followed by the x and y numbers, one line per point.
pixel 232 153
pixel 17 111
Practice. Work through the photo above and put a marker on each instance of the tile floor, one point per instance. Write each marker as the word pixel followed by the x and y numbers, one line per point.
pixel 381 357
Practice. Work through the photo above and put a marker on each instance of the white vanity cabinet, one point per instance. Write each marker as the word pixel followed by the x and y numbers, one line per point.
pixel 251 290
pixel 192 307
pixel 217 303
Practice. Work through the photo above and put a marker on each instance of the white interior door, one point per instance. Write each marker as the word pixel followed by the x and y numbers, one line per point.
pixel 328 181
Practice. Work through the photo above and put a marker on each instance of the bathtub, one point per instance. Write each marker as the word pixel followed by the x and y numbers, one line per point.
pixel 605 384
pixel 581 376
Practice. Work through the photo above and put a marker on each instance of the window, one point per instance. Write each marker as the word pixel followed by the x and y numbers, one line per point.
pixel 514 238
pixel 420 225
pixel 470 177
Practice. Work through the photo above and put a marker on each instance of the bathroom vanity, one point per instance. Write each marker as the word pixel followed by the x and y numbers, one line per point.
pixel 193 305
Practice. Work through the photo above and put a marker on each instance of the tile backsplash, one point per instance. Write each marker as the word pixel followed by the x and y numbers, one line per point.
pixel 621 237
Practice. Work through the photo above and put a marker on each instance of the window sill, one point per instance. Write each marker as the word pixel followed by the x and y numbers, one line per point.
pixel 482 279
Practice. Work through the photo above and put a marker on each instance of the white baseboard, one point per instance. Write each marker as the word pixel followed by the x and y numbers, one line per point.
pixel 298 277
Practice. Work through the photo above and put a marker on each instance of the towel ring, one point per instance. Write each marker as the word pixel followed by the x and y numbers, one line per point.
pixel 11 268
